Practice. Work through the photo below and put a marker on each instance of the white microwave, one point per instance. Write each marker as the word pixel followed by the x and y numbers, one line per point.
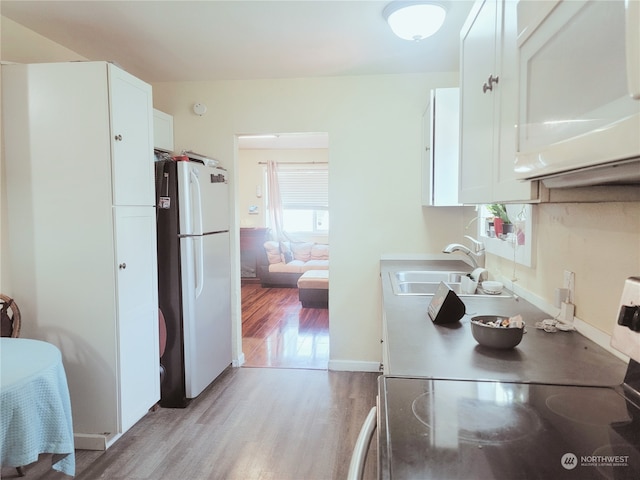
pixel 579 92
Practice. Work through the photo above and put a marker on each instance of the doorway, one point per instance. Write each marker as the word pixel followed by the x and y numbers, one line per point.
pixel 277 331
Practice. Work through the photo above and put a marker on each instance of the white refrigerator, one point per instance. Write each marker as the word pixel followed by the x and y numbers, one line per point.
pixel 194 271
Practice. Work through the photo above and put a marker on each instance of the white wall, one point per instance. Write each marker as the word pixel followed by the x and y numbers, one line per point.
pixel 374 126
pixel 21 45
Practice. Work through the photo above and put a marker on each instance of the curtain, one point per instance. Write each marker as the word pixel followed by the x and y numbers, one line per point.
pixel 275 201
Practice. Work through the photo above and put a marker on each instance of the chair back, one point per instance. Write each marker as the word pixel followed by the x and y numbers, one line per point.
pixel 9 317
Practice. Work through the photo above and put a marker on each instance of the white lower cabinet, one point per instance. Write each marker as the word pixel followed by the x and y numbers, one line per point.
pixel 137 294
pixel 82 234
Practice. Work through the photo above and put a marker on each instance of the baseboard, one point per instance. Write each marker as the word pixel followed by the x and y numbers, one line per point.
pixel 353 366
pixel 239 361
pixel 90 441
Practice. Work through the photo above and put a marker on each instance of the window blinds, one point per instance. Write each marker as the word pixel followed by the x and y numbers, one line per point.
pixel 304 189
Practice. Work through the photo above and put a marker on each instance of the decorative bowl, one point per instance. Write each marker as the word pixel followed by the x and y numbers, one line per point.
pixel 492 287
pixel 495 337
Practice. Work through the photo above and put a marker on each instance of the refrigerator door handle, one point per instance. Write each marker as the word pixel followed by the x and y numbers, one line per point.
pixel 199 264
pixel 197 202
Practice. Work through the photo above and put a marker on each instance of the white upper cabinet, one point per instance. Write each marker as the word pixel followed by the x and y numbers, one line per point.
pixel 441 137
pixel 130 109
pixel 162 131
pixel 579 89
pixel 488 106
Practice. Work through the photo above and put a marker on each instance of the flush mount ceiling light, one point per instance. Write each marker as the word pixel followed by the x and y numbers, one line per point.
pixel 414 20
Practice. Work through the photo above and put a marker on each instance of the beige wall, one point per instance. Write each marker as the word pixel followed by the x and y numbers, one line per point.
pixel 374 126
pixel 600 242
pixel 21 45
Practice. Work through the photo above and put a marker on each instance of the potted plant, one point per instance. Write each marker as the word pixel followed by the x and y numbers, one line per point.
pixel 501 222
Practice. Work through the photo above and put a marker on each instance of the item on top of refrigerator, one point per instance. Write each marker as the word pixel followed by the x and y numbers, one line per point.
pixel 208 161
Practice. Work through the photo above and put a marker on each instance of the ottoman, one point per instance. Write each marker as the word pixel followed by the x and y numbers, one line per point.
pixel 313 289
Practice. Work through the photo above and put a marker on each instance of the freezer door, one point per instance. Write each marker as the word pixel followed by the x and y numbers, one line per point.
pixel 206 309
pixel 204 199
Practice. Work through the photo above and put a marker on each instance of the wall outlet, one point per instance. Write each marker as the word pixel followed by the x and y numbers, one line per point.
pixel 562 295
pixel 569 283
pixel 566 312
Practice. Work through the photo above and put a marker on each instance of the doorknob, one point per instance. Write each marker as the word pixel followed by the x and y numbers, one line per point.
pixel 122 266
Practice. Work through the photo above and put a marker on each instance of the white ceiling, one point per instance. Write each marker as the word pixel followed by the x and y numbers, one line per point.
pixel 187 40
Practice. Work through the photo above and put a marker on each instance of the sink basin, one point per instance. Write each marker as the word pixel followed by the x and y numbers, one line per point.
pixel 423 276
pixel 426 282
pixel 423 288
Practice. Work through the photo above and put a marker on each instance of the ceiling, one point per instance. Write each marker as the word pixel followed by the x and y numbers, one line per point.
pixel 161 41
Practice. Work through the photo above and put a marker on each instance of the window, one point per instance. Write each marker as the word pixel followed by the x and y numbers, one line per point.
pixel 304 192
pixel 513 238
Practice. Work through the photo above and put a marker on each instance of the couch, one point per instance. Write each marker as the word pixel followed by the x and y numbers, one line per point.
pixel 284 262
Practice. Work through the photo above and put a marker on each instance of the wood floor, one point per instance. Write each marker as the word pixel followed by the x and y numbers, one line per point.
pixel 295 421
pixel 278 332
pixel 251 423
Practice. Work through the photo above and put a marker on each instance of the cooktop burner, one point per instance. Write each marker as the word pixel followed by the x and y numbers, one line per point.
pixel 455 429
pixel 604 406
pixel 480 421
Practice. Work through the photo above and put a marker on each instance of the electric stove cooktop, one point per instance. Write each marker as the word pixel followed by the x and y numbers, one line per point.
pixel 456 429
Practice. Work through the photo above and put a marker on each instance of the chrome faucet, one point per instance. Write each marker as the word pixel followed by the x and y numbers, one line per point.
pixel 476 255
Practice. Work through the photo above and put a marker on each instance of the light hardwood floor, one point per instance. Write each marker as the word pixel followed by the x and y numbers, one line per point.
pixel 295 423
pixel 252 423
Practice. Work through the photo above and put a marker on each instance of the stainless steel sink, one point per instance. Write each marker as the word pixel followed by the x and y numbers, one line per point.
pixel 422 288
pixel 426 282
pixel 428 276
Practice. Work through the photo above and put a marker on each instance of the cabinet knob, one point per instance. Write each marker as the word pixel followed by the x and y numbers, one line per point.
pixel 122 266
pixel 119 138
pixel 490 82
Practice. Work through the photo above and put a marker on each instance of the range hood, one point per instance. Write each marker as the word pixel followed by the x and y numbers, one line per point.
pixel 622 172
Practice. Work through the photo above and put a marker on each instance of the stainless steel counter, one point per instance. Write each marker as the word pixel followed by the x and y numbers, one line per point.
pixel 417 347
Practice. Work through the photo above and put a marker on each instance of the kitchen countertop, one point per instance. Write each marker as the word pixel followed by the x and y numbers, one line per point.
pixel 418 347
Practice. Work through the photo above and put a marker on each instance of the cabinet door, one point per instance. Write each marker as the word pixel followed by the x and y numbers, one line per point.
pixel 478 139
pixel 506 188
pixel 162 131
pixel 131 139
pixel 489 106
pixel 137 307
pixel 441 130
pixel 426 157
